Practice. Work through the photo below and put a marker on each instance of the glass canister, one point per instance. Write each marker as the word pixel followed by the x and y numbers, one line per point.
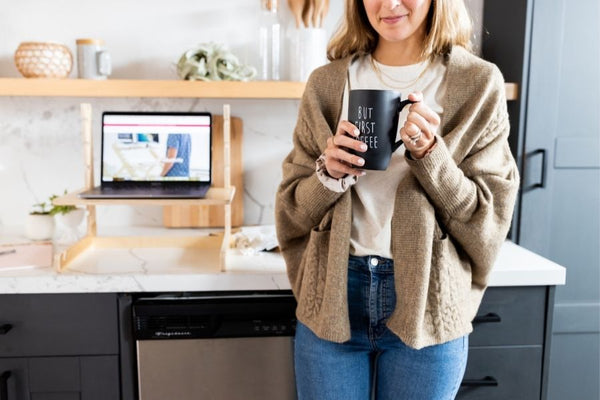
pixel 269 41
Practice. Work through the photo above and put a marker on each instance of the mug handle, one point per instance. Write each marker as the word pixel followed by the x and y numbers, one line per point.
pixel 401 105
pixel 104 64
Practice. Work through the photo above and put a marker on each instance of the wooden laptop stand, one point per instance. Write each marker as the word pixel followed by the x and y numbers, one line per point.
pixel 215 196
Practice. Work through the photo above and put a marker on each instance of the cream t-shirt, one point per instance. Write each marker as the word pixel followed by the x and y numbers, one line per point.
pixel 373 194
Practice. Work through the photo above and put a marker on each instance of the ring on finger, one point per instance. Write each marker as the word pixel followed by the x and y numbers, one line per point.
pixel 415 138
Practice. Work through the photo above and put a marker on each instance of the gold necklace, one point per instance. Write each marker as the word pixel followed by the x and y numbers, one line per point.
pixel 380 75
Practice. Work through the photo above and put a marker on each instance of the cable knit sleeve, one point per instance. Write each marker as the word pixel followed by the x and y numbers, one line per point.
pixel 302 201
pixel 474 187
pixel 301 195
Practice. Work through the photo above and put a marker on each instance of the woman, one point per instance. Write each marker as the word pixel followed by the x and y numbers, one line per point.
pixel 389 267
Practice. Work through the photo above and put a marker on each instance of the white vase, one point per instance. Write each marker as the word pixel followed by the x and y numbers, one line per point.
pixel 69 225
pixel 39 226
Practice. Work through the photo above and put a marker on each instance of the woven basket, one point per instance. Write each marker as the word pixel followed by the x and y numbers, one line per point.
pixel 43 60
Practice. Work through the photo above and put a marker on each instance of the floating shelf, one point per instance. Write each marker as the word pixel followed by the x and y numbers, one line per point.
pixel 214 196
pixel 163 88
pixel 149 88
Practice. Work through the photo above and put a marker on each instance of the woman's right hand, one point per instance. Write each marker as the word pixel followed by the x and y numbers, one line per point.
pixel 338 161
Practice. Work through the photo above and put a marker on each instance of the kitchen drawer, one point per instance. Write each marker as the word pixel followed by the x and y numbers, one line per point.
pixel 58 324
pixel 510 316
pixel 501 373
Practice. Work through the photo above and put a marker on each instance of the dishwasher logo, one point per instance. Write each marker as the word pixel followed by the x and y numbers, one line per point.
pixel 169 334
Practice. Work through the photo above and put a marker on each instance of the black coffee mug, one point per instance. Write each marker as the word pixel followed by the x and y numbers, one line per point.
pixel 375 114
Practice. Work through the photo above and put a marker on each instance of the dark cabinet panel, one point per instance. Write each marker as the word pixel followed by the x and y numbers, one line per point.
pixel 510 316
pixel 502 372
pixel 54 374
pixel 99 377
pixel 58 324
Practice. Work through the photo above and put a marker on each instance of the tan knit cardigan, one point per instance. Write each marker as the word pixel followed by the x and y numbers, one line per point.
pixel 451 213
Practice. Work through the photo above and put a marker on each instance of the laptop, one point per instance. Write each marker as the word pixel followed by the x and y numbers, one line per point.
pixel 154 155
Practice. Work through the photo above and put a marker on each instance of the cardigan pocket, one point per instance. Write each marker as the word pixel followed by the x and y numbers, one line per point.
pixel 314 265
pixel 449 286
pixel 439 230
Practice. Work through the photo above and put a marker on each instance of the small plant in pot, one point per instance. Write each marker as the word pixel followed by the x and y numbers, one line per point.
pixel 40 223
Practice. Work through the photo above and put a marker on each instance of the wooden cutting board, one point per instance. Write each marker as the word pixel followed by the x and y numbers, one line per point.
pixel 212 216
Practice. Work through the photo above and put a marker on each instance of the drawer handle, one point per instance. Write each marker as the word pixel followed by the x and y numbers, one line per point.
pixel 5 328
pixel 487 381
pixel 489 317
pixel 3 385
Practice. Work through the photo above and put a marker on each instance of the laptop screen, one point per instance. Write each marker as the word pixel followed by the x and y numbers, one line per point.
pixel 156 147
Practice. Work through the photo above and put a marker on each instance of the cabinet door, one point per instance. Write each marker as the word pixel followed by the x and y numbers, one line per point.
pixel 14 379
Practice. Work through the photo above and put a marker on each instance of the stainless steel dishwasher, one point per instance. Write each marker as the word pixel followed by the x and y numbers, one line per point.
pixel 218 345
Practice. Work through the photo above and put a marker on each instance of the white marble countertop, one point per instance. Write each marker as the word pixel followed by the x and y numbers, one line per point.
pixel 176 269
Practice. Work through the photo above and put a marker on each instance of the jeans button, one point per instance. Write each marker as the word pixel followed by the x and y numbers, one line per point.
pixel 374 261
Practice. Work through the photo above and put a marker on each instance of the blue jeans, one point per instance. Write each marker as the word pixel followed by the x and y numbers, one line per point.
pixel 375 363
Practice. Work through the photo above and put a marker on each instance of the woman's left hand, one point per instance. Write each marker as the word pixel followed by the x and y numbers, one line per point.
pixel 418 132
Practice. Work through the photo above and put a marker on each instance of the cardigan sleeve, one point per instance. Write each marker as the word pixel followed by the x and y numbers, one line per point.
pixel 301 197
pixel 475 195
pixel 302 201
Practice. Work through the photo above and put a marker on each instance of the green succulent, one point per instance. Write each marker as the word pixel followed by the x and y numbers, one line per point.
pixel 212 62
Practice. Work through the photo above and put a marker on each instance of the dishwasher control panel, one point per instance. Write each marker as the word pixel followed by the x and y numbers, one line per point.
pixel 202 315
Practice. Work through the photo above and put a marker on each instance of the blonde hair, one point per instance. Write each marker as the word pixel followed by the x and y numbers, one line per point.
pixel 448 24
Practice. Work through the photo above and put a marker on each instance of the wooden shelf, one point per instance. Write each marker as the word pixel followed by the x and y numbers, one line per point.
pixel 208 250
pixel 149 88
pixel 163 88
pixel 214 196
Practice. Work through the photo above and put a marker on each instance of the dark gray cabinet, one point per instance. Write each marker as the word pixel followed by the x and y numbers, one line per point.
pixel 59 346
pixel 508 349
pixel 552 49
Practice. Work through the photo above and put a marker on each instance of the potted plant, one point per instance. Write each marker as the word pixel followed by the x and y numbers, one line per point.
pixel 40 221
pixel 40 224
